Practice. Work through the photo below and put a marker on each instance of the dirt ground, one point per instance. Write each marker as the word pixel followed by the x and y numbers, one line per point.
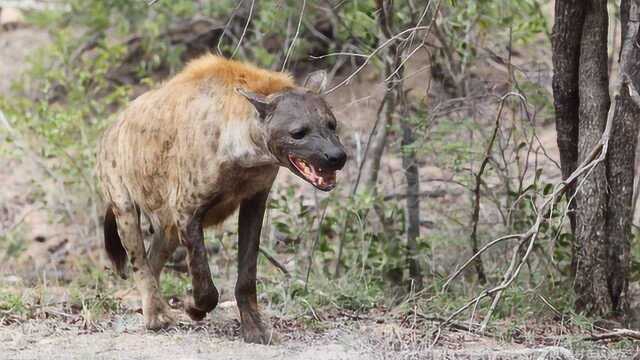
pixel 124 339
pixel 62 336
pixel 44 341
pixel 57 335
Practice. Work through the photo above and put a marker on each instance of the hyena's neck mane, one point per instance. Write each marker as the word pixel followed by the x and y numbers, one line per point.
pixel 241 138
pixel 233 74
pixel 224 76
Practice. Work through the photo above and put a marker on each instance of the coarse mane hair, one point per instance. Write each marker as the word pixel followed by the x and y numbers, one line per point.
pixel 232 74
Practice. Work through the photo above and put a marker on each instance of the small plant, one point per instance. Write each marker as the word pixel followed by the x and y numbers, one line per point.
pixel 12 303
pixel 174 284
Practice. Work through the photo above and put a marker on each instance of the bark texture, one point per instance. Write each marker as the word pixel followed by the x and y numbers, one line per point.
pixel 591 196
pixel 603 197
pixel 569 19
pixel 621 161
pixel 620 174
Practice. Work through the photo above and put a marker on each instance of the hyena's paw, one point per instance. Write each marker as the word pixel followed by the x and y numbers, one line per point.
pixel 254 331
pixel 192 310
pixel 197 310
pixel 157 314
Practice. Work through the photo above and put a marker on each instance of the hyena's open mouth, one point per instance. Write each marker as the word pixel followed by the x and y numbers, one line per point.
pixel 323 179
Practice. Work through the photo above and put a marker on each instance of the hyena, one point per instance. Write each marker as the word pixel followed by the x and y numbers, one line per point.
pixel 188 154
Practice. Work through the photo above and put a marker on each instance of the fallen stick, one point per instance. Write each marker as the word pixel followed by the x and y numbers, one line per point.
pixel 617 334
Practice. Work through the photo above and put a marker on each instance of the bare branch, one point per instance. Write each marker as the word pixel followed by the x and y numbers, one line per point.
pixel 424 39
pixel 244 31
pixel 470 260
pixel 295 37
pixel 368 58
pixel 475 217
pixel 527 239
pixel 275 262
pixel 226 27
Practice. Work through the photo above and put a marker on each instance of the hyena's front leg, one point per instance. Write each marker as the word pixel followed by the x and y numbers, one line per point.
pixel 205 294
pixel 155 310
pixel 249 227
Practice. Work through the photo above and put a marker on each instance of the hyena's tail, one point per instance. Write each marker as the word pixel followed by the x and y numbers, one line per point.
pixel 112 243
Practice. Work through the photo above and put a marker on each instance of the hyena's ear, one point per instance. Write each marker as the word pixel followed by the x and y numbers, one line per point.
pixel 316 81
pixel 263 104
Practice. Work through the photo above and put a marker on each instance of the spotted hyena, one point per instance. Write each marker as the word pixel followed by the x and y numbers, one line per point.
pixel 188 154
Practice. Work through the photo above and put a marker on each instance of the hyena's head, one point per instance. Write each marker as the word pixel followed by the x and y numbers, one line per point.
pixel 301 131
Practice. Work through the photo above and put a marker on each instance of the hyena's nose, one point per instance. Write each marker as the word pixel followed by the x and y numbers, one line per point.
pixel 336 158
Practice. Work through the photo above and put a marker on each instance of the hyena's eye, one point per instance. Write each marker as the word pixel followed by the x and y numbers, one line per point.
pixel 332 126
pixel 299 133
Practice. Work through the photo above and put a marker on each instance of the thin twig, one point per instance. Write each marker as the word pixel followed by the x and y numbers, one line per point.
pixel 453 325
pixel 368 58
pixel 224 31
pixel 470 260
pixel 313 249
pixel 275 262
pixel 475 216
pixel 546 302
pixel 295 36
pixel 424 39
pixel 244 31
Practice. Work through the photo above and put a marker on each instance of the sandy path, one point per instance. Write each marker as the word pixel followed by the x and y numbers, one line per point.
pixel 47 339
pixel 25 342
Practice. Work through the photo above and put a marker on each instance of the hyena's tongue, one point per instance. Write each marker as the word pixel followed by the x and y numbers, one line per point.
pixel 323 179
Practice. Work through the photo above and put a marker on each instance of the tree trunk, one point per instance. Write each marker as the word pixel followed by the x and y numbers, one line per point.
pixel 591 195
pixel 620 175
pixel 621 162
pixel 569 18
pixel 604 196
pixel 377 144
pixel 410 166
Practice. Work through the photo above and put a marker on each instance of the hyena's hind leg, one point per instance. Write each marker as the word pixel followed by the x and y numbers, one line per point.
pixel 162 246
pixel 155 310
